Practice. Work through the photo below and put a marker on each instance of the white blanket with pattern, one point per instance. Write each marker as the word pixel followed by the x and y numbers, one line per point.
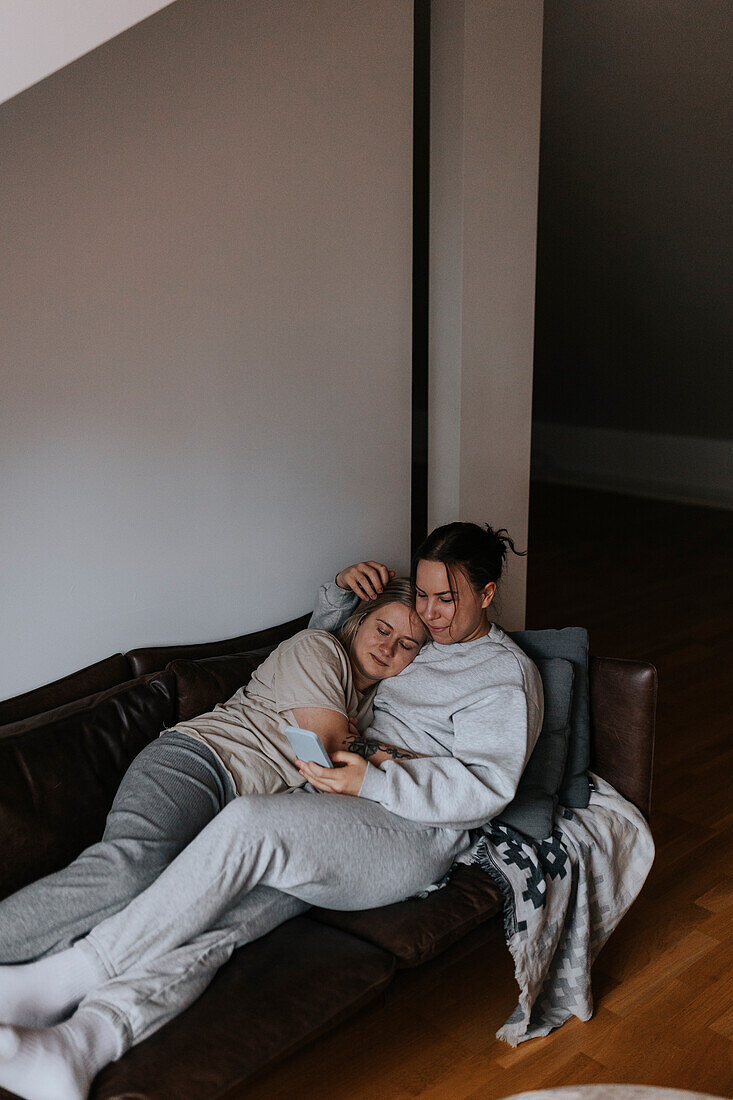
pixel 563 898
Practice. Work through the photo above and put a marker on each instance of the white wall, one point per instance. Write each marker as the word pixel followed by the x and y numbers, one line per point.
pixel 485 103
pixel 40 36
pixel 206 350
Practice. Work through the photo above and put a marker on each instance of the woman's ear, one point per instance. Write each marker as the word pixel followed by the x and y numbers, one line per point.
pixel 488 593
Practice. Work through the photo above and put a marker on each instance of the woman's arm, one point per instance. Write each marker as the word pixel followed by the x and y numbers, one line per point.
pixel 336 600
pixel 493 740
pixel 332 608
pixel 331 727
pixel 341 734
pixel 379 752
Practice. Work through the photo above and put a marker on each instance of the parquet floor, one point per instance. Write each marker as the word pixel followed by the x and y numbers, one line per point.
pixel 650 580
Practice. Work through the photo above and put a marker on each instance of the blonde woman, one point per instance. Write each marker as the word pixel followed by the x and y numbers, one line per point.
pixel 180 781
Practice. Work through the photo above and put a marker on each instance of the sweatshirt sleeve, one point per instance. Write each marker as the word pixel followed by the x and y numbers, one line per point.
pixel 333 607
pixel 493 741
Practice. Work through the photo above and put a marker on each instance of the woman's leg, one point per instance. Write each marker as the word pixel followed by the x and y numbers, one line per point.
pixel 329 849
pixel 127 1010
pixel 332 850
pixel 147 996
pixel 172 789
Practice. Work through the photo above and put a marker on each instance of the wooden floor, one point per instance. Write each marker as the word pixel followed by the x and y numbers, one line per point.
pixel 650 580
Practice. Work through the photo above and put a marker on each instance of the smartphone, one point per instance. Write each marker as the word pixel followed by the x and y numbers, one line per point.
pixel 307 746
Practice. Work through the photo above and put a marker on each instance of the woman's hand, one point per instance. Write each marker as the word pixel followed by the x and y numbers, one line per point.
pixel 367 578
pixel 346 778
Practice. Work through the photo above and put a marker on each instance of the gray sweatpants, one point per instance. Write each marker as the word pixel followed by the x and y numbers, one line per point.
pixel 264 859
pixel 171 790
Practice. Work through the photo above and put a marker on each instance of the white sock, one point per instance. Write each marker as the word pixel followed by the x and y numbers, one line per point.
pixel 41 993
pixel 57 1063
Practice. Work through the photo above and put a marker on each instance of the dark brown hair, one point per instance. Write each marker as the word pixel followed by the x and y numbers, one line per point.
pixel 480 552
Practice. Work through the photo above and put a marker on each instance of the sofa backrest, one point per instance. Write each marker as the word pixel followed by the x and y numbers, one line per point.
pixel 623 700
pixel 59 773
pixel 78 685
pixel 121 667
pixel 153 658
pixel 200 685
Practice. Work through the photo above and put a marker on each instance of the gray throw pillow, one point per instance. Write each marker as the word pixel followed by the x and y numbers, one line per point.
pixel 533 807
pixel 570 643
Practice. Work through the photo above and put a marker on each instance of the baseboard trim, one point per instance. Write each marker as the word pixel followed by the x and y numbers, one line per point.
pixel 688 469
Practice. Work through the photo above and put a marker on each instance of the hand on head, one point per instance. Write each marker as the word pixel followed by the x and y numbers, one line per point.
pixel 366 579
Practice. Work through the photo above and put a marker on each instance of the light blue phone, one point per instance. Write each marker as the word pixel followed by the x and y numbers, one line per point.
pixel 307 746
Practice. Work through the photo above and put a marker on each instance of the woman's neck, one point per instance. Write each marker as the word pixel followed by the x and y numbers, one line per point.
pixel 481 631
pixel 361 682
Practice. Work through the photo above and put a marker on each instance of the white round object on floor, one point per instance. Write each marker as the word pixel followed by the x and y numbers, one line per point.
pixel 612 1092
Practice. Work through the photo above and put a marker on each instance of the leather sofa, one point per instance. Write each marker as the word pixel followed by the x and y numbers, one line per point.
pixel 59 770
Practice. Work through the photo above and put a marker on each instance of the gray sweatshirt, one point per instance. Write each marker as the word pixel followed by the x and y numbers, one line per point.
pixel 473 709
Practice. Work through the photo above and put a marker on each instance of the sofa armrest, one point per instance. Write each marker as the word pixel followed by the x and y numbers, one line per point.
pixel 59 773
pixel 623 700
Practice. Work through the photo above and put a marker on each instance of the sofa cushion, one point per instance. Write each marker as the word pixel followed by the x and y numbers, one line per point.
pixel 532 809
pixel 77 685
pixel 570 643
pixel 153 658
pixel 200 685
pixel 271 998
pixel 417 929
pixel 59 773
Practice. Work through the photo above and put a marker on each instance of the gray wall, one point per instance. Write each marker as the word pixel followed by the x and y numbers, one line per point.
pixel 205 352
pixel 633 297
pixel 205 348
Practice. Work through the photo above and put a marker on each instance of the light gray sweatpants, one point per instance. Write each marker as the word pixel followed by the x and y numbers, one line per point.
pixel 262 860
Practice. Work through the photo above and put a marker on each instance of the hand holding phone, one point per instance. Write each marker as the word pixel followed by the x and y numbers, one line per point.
pixel 307 746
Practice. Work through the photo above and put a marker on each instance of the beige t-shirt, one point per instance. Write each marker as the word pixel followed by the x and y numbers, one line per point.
pixel 310 669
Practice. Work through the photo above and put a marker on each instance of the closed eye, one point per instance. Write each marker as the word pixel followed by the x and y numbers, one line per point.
pixel 448 597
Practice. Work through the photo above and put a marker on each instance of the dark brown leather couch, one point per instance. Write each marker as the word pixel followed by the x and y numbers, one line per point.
pixel 58 774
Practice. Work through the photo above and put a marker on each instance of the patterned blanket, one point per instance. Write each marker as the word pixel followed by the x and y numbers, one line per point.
pixel 562 899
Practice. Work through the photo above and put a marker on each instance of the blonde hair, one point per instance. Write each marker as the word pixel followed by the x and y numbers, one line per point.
pixel 398 590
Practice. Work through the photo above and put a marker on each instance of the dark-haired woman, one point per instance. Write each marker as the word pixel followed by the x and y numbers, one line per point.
pixel 471 702
pixel 448 743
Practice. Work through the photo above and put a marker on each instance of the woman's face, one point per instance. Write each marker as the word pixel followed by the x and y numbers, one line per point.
pixel 452 613
pixel 385 643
